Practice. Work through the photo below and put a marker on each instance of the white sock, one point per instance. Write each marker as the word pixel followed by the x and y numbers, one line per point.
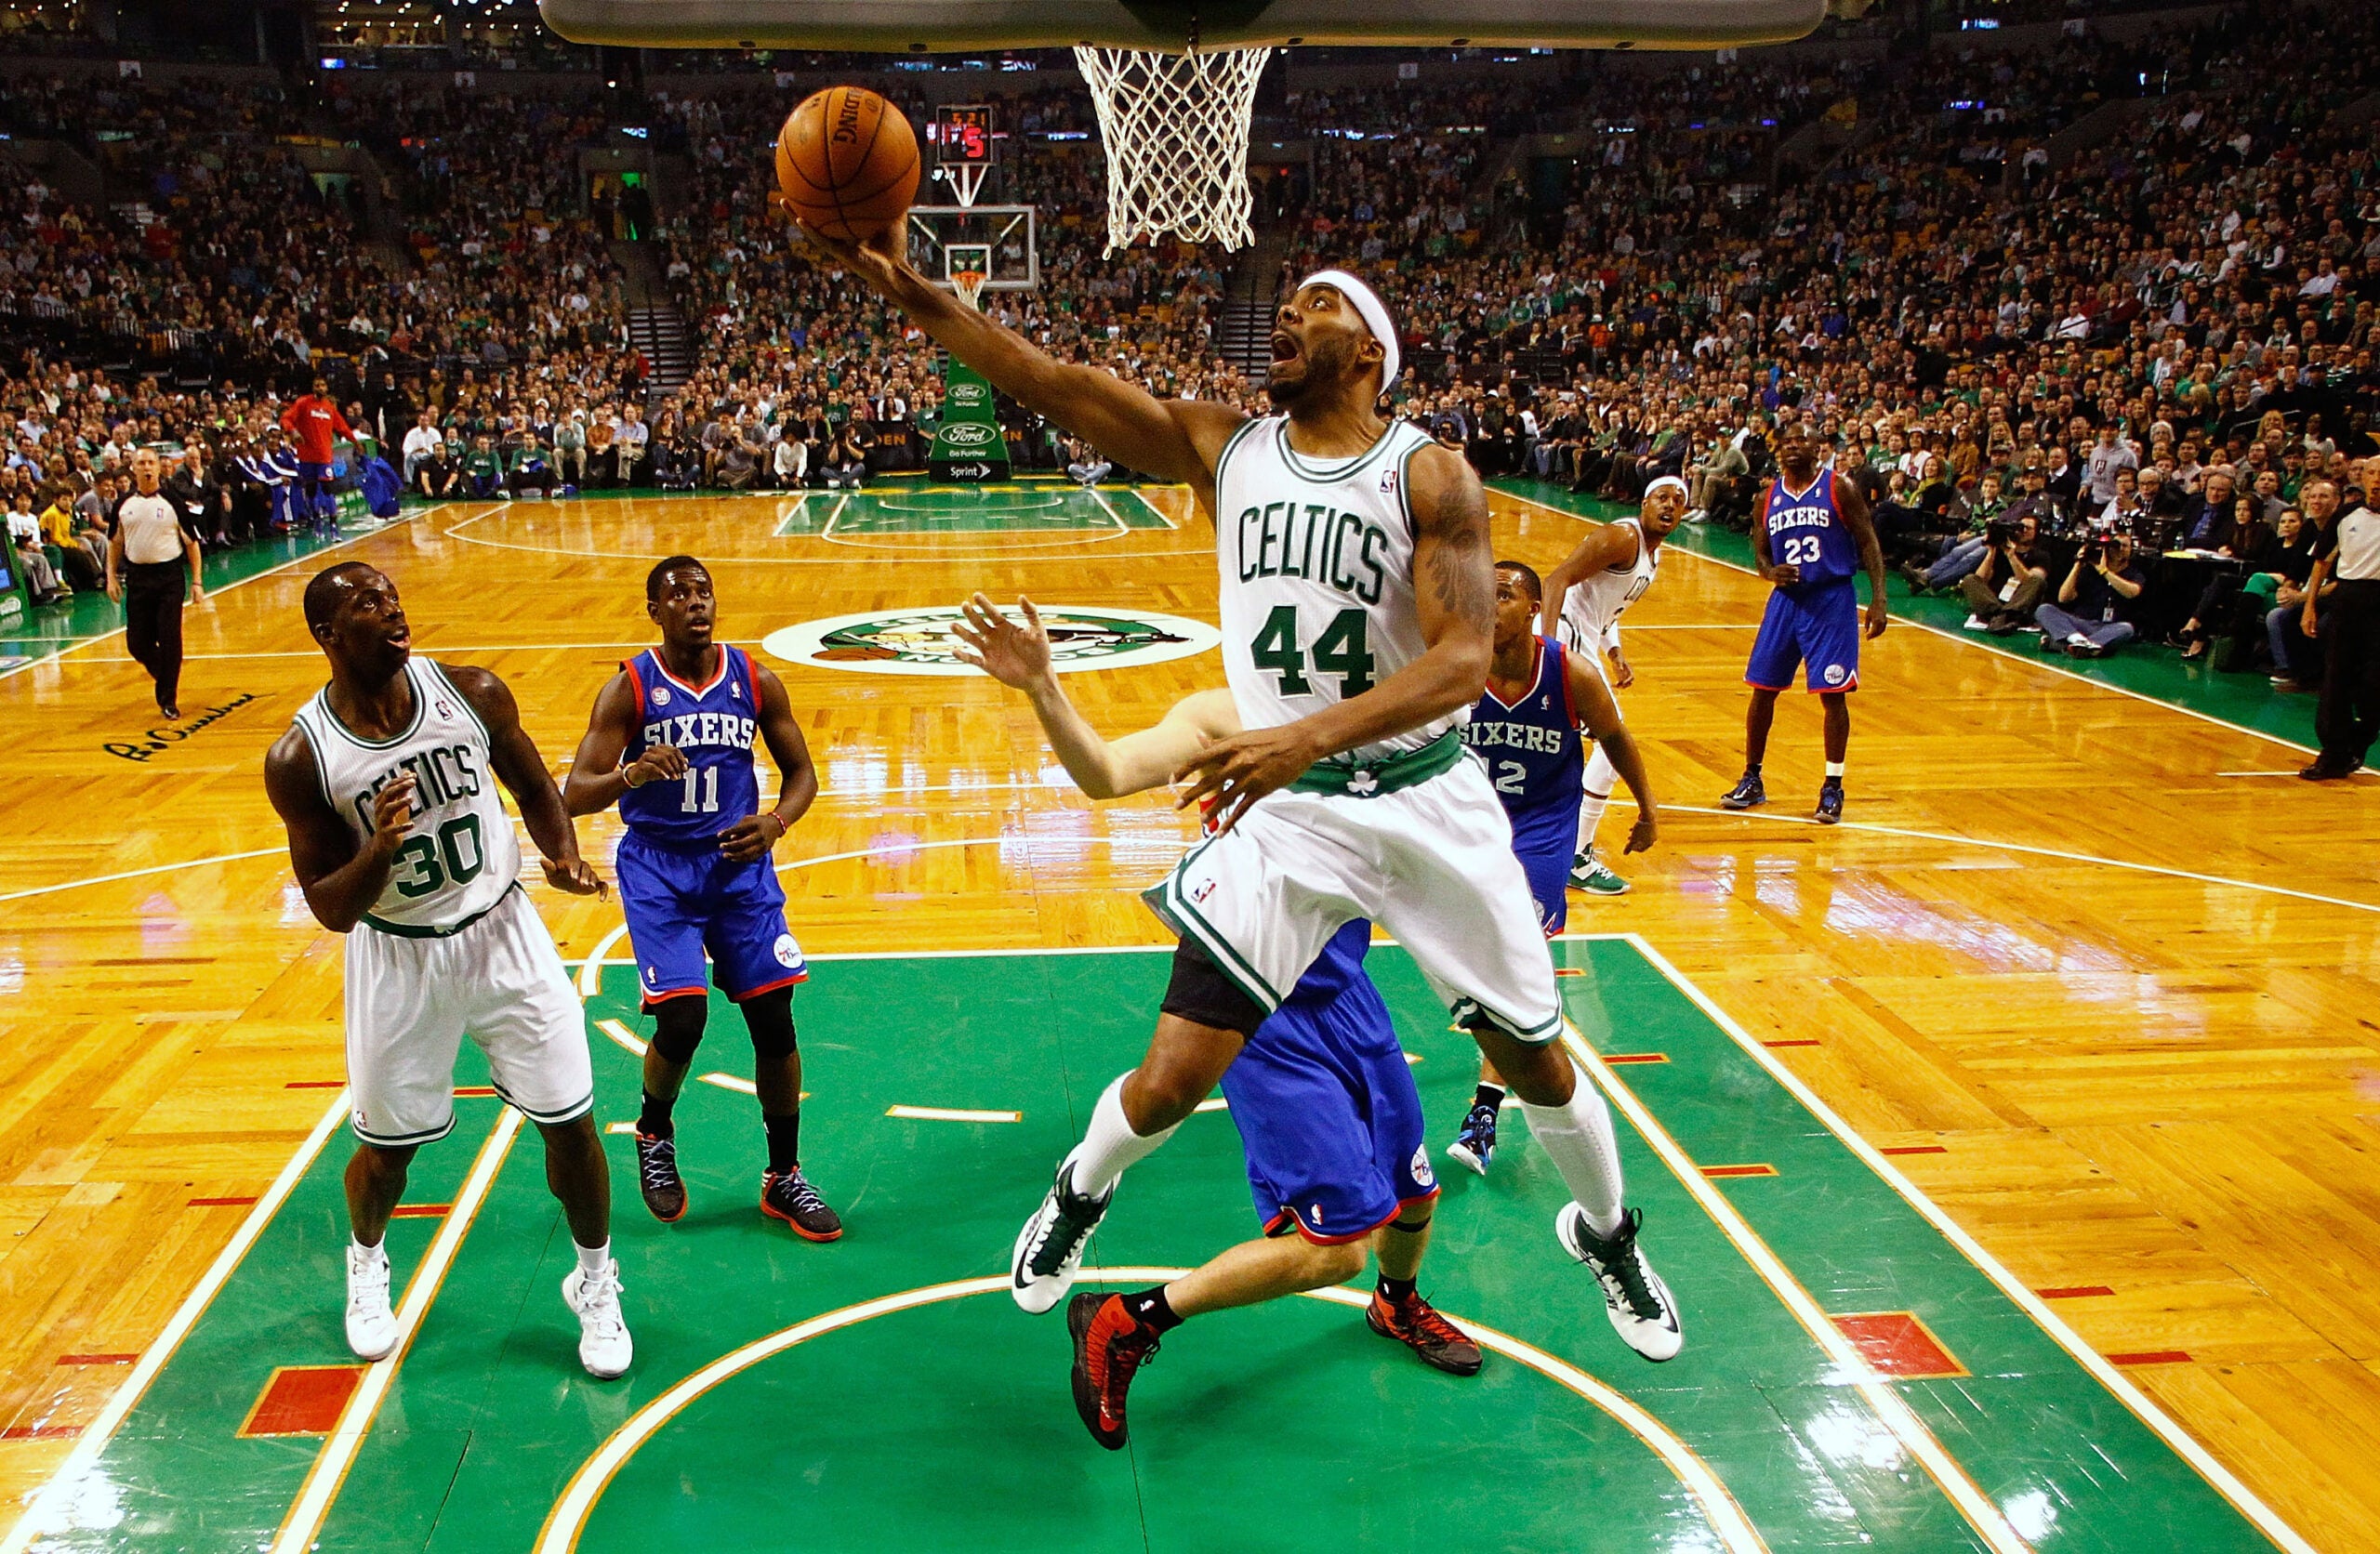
pixel 593 1260
pixel 1577 1139
pixel 1601 775
pixel 1109 1146
pixel 382 1251
pixel 1834 769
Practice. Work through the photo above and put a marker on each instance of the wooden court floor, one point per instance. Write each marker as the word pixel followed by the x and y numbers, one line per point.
pixel 2095 974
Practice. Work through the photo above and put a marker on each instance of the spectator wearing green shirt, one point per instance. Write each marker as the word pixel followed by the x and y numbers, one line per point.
pixel 483 471
pixel 528 468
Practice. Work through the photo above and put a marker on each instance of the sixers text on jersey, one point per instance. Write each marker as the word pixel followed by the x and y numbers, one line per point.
pixel 713 726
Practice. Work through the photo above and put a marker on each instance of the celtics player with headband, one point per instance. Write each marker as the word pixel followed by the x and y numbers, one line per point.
pixel 1359 599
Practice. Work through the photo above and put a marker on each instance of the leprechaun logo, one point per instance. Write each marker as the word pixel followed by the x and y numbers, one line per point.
pixel 921 641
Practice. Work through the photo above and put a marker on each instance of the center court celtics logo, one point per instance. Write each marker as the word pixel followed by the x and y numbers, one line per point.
pixel 921 641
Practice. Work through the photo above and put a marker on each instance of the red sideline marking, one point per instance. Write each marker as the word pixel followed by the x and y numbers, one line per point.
pixel 302 1400
pixel 1801 1041
pixel 419 1211
pixel 475 1089
pixel 99 1358
pixel 1915 1149
pixel 2073 1292
pixel 1898 1345
pixel 1720 1173
pixel 1569 970
pixel 223 1203
pixel 313 1084
pixel 1635 1056
pixel 41 1433
pixel 2152 1357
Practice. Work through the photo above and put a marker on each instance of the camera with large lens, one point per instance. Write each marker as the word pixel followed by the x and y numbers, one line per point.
pixel 1996 532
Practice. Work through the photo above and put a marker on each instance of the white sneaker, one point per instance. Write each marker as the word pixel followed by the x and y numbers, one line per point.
pixel 1049 1249
pixel 1641 1308
pixel 604 1347
pixel 1974 623
pixel 371 1325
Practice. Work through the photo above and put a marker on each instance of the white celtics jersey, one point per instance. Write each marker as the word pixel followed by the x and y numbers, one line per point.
pixel 459 855
pixel 1317 562
pixel 1594 605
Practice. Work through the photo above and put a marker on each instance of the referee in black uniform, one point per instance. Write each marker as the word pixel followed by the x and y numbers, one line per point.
pixel 152 563
pixel 2347 580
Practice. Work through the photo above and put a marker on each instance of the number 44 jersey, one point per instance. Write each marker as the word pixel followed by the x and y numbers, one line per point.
pixel 459 855
pixel 1316 563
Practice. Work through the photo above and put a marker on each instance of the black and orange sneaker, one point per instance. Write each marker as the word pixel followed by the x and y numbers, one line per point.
pixel 1416 1323
pixel 1110 1345
pixel 657 1178
pixel 786 1195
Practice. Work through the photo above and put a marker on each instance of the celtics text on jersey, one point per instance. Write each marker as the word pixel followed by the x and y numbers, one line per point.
pixel 1316 560
pixel 459 855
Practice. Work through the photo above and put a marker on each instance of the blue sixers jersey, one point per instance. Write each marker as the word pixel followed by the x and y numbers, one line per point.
pixel 1808 531
pixel 712 725
pixel 1536 757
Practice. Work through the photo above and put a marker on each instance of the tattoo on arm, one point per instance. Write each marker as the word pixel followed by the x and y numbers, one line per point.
pixel 1460 574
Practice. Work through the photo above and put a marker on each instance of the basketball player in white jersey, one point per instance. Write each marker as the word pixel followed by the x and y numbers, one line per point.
pixel 1586 595
pixel 1358 601
pixel 387 784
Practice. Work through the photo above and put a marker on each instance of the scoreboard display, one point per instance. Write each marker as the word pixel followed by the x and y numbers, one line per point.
pixel 962 135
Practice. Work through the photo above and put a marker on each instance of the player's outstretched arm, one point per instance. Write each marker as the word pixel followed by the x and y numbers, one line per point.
pixel 522 770
pixel 340 879
pixel 1854 507
pixel 752 837
pixel 1016 654
pixel 1600 715
pixel 1608 546
pixel 1172 440
pixel 597 779
pixel 1454 590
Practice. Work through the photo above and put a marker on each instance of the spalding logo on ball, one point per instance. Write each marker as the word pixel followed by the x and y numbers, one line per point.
pixel 847 163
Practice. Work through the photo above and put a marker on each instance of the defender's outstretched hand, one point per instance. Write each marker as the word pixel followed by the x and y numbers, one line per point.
pixel 1016 654
pixel 1236 772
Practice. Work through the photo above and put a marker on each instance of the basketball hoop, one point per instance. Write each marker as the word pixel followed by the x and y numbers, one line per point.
pixel 1176 130
pixel 968 285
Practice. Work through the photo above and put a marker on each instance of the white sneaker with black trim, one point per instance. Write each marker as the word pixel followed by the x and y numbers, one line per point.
pixel 1049 1249
pixel 371 1325
pixel 604 1347
pixel 1640 1306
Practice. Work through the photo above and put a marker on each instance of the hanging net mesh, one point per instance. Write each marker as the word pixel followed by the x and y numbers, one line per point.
pixel 1176 130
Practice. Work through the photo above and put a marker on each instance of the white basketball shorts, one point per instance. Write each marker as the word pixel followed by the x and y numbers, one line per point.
pixel 1432 863
pixel 411 1001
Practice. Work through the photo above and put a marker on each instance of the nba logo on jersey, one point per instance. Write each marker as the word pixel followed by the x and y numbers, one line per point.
pixel 1388 481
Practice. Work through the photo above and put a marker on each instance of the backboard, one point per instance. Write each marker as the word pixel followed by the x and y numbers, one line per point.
pixel 1177 26
pixel 995 240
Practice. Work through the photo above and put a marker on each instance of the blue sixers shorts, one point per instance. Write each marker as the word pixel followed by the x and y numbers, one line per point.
pixel 1330 1118
pixel 1549 886
pixel 680 903
pixel 1817 632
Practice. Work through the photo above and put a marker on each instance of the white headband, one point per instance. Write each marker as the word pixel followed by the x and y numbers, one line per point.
pixel 1375 314
pixel 1666 481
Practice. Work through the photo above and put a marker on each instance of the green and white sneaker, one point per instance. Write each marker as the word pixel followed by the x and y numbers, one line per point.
pixel 1589 872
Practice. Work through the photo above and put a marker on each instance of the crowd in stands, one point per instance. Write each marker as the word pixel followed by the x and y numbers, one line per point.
pixel 2046 374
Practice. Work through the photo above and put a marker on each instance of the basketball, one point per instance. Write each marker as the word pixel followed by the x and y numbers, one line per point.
pixel 847 163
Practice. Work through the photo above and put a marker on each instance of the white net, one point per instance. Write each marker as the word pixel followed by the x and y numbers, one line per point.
pixel 1176 131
